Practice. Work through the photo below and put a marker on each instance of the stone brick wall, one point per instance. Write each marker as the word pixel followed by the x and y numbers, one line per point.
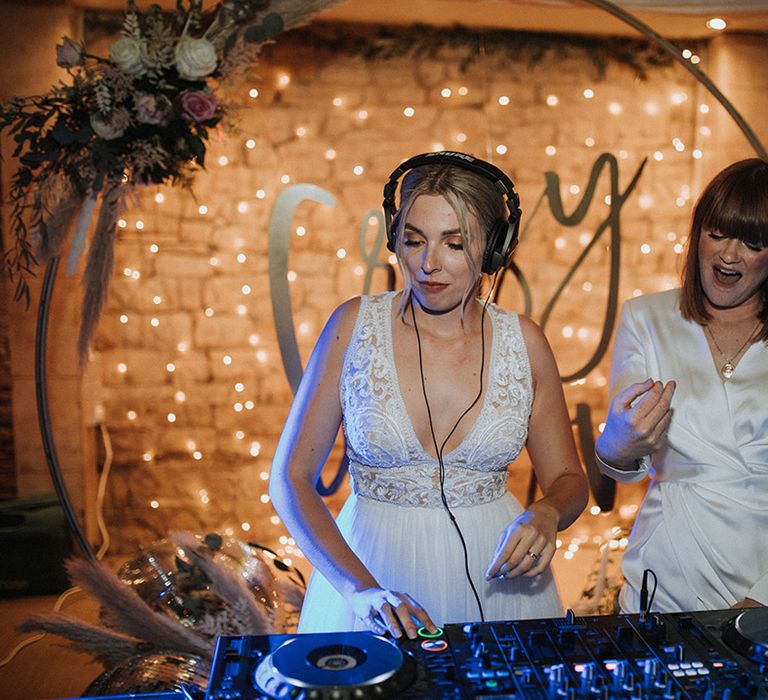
pixel 190 451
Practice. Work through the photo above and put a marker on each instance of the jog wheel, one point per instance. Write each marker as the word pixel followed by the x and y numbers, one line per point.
pixel 338 665
pixel 747 634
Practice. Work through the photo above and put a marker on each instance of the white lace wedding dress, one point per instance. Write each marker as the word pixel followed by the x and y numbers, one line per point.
pixel 395 520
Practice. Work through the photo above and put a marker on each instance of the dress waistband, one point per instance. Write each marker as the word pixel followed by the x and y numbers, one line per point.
pixel 419 486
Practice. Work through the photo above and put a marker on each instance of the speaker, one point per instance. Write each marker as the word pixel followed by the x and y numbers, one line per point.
pixel 502 238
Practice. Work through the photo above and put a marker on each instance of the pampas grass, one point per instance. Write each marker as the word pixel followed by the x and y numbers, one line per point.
pixel 98 269
pixel 234 590
pixel 106 646
pixel 130 614
pixel 132 625
pixel 52 230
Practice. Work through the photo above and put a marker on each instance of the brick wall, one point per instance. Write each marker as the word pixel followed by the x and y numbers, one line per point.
pixel 198 262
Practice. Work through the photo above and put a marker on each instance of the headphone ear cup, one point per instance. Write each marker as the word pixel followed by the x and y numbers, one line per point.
pixel 390 227
pixel 493 256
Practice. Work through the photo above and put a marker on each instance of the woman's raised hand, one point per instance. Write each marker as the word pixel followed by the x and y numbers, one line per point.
pixel 384 610
pixel 637 420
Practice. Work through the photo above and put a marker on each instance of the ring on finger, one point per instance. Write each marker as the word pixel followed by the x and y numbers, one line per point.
pixel 534 556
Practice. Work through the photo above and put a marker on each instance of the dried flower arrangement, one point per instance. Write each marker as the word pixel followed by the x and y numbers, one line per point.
pixel 142 115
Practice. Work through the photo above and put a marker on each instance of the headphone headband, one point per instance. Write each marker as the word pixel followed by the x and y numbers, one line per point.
pixel 502 239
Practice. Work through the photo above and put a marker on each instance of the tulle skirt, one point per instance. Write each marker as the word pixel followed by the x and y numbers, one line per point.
pixel 418 551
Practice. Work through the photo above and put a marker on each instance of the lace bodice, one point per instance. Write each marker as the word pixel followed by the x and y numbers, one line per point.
pixel 386 460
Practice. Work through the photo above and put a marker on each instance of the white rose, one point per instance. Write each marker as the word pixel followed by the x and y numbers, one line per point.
pixel 195 58
pixel 128 55
pixel 112 126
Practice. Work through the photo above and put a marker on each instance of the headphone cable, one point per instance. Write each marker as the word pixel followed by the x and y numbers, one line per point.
pixel 439 450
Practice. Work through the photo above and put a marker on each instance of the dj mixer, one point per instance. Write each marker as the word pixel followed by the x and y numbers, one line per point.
pixel 712 655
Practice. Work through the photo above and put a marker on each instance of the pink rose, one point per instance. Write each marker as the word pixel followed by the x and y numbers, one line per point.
pixel 198 106
pixel 69 53
pixel 152 109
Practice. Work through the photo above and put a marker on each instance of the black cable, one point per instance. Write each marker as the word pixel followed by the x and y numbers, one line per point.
pixel 645 601
pixel 439 450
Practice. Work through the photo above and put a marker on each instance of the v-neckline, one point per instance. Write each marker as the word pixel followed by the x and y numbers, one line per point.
pixel 398 394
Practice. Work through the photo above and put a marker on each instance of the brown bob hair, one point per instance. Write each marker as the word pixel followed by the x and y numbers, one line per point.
pixel 735 205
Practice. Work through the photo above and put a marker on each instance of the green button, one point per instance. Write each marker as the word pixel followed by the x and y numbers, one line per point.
pixel 491 684
pixel 424 632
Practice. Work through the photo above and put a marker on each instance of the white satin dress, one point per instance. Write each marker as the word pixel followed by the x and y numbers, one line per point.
pixel 394 519
pixel 703 525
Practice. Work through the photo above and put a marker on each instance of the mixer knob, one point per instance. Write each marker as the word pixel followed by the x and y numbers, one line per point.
pixel 678 652
pixel 559 683
pixel 588 671
pixel 556 673
pixel 621 669
pixel 650 670
pixel 670 692
pixel 629 681
pixel 482 654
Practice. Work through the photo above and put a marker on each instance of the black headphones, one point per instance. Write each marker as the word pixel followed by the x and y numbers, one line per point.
pixel 502 238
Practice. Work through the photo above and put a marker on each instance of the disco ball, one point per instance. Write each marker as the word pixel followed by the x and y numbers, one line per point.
pixel 201 580
pixel 152 673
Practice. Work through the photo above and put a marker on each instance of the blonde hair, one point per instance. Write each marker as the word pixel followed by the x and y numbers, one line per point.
pixel 469 195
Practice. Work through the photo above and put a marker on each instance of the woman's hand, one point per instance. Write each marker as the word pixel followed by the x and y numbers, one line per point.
pixel 637 420
pixel 384 611
pixel 747 603
pixel 526 545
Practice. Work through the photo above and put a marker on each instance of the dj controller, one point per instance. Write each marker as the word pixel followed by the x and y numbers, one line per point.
pixel 712 655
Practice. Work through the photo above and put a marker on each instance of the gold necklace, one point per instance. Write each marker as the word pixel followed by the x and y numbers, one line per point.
pixel 728 368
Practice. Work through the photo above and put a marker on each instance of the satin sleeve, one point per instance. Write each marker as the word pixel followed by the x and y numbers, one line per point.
pixel 759 590
pixel 629 365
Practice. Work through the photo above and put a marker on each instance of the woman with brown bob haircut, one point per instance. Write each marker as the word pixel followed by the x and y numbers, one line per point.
pixel 689 377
